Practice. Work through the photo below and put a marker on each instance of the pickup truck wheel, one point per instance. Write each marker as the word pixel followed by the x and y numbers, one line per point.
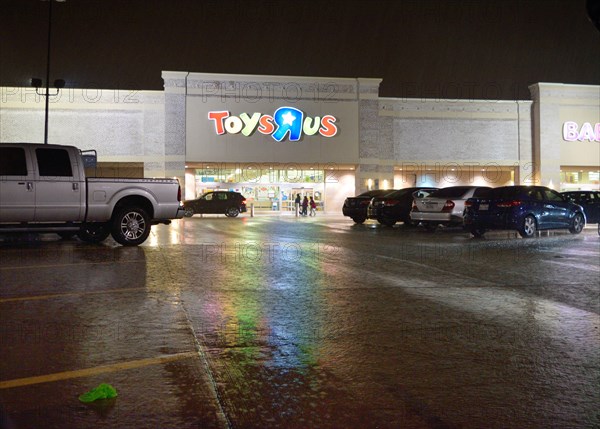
pixel 94 232
pixel 359 219
pixel 130 226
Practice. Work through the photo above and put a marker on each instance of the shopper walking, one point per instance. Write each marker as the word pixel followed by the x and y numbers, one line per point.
pixel 305 206
pixel 297 204
pixel 313 207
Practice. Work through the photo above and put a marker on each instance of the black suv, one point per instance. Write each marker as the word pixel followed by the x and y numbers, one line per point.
pixel 395 207
pixel 589 200
pixel 216 202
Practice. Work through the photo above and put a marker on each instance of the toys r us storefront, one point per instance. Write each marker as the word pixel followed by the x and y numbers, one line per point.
pixel 272 137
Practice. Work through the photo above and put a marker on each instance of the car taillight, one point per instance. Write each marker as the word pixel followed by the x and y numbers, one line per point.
pixel 179 193
pixel 468 203
pixel 365 203
pixel 505 204
pixel 414 207
pixel 389 203
pixel 448 206
pixel 243 202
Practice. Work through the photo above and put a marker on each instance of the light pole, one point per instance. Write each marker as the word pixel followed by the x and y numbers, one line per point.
pixel 58 83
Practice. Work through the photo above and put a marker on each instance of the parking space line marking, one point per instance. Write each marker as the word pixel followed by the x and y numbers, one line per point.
pixel 67 294
pixel 88 372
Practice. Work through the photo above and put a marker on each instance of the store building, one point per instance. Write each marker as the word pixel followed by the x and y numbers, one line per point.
pixel 272 137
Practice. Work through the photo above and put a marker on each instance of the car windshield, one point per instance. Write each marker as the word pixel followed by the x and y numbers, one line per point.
pixel 452 192
pixel 505 193
pixel 400 193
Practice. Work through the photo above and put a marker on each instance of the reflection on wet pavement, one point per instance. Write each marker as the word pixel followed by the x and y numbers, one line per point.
pixel 295 323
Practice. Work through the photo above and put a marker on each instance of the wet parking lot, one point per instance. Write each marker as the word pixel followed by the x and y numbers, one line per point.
pixel 277 321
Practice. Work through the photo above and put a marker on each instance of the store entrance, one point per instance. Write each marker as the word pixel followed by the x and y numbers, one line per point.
pixel 266 189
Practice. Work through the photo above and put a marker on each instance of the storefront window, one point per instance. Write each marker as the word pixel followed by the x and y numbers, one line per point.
pixel 267 188
pixel 579 179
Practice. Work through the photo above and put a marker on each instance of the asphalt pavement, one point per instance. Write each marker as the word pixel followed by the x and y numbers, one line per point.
pixel 285 322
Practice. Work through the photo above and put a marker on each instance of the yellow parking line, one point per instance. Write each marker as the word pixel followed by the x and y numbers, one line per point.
pixel 61 295
pixel 88 372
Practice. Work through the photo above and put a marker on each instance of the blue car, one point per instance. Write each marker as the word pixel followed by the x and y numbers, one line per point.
pixel 525 209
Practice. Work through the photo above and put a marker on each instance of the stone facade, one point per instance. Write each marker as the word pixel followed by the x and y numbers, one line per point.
pixel 121 125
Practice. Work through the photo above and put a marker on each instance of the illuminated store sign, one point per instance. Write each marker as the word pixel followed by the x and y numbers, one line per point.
pixel 572 132
pixel 285 120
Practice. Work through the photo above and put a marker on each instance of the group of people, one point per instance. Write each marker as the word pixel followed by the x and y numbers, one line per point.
pixel 303 205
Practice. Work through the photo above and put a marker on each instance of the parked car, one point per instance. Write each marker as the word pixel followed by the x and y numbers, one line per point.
pixel 522 208
pixel 444 206
pixel 356 207
pixel 589 200
pixel 395 207
pixel 228 203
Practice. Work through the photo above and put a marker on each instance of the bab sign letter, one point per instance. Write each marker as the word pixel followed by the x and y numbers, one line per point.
pixel 285 122
pixel 572 132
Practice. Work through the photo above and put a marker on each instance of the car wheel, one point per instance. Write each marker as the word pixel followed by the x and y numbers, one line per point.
pixel 130 226
pixel 188 212
pixel 577 224
pixel 386 221
pixel 94 232
pixel 359 219
pixel 477 232
pixel 232 212
pixel 528 228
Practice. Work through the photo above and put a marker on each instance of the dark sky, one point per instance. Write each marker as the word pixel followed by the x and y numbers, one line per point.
pixel 488 49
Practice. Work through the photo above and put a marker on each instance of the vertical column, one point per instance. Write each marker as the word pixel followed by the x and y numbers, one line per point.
pixel 375 153
pixel 175 122
pixel 546 147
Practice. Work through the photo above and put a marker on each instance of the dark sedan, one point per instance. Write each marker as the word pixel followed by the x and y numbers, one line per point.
pixel 228 203
pixel 589 200
pixel 356 207
pixel 525 209
pixel 395 207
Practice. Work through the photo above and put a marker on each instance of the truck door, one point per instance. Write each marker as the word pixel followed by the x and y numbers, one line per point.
pixel 17 193
pixel 59 192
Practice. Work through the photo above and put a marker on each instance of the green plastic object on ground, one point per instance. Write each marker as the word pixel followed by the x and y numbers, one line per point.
pixel 103 391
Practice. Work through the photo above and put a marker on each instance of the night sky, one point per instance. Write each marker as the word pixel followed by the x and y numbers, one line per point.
pixel 488 49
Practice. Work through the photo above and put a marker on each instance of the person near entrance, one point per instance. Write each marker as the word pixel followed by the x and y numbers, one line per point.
pixel 305 206
pixel 297 203
pixel 313 207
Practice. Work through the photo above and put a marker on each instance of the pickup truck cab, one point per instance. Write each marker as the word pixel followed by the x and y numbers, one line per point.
pixel 43 188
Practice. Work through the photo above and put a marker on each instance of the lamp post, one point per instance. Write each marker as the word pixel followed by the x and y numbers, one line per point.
pixel 58 83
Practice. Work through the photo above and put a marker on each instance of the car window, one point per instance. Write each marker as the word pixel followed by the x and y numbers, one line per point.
pixel 552 195
pixel 12 161
pixel 481 192
pixel 54 162
pixel 535 194
pixel 451 192
pixel 222 196
pixel 208 197
pixel 422 193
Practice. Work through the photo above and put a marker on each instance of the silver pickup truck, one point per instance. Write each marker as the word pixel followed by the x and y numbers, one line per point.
pixel 43 188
